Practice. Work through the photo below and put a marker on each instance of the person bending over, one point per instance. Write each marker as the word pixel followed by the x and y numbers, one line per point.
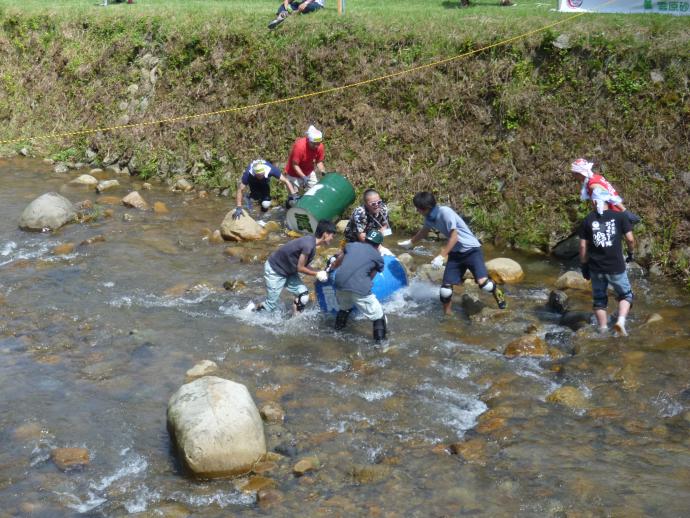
pixel 356 268
pixel 462 251
pixel 257 176
pixel 306 156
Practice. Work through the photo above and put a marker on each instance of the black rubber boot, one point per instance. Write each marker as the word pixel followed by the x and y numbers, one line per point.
pixel 380 330
pixel 341 319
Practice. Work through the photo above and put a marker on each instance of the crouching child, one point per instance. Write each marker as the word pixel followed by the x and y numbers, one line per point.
pixel 357 265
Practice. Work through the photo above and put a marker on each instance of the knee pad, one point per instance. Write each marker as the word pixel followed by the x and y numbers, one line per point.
pixel 446 293
pixel 488 285
pixel 302 300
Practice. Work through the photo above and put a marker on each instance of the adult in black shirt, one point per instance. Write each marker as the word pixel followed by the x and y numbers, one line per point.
pixel 601 259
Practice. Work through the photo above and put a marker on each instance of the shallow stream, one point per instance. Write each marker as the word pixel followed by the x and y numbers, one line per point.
pixel 93 344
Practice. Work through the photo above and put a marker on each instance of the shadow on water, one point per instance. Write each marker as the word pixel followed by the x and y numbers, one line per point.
pixel 95 342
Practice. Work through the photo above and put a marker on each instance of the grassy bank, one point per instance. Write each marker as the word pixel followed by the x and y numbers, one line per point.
pixel 492 133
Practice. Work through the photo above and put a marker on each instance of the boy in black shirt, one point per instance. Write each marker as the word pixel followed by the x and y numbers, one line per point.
pixel 601 259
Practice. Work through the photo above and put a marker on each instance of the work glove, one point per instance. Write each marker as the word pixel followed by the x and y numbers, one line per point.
pixel 630 258
pixel 407 244
pixel 437 262
pixel 322 276
pixel 238 213
pixel 584 268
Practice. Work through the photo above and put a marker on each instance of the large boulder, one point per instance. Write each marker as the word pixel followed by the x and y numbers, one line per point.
pixel 216 427
pixel 568 248
pixel 242 229
pixel 49 211
pixel 505 270
pixel 528 345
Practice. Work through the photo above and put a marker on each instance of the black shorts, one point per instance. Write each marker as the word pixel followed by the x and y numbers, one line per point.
pixel 459 262
pixel 260 191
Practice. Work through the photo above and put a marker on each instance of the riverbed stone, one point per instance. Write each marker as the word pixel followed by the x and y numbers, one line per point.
pixel 49 211
pixel 64 249
pixel 653 319
pixel 570 397
pixel 272 226
pixel 558 301
pixel 241 229
pixel 341 225
pixel 575 319
pixel 201 369
pixel 256 483
pixel 108 200
pixel 85 179
pixel 426 272
pixel 505 270
pixel 61 168
pixel 528 345
pixel 272 412
pixel 160 208
pixel 135 201
pixel 182 185
pixel 70 458
pixel 573 280
pixel 269 497
pixel 472 451
pixel 106 185
pixel 370 473
pixel 306 465
pixel 472 304
pixel 567 248
pixel 216 427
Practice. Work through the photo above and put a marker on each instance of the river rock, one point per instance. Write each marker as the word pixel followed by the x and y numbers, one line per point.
pixel 70 458
pixel 267 498
pixel 573 280
pixel 64 249
pixel 568 248
pixel 575 319
pixel 505 270
pixel 113 169
pixel 85 179
pixel 160 208
pixel 216 426
pixel 108 200
pixel 272 226
pixel 472 304
pixel 472 451
pixel 568 396
pixel 182 185
pixel 370 473
pixel 306 465
pixel 106 184
pixel 558 301
pixel 135 201
pixel 61 168
pixel 529 345
pixel 426 272
pixel 407 260
pixel 242 229
pixel 49 211
pixel 201 369
pixel 340 226
pixel 653 318
pixel 256 483
pixel 272 412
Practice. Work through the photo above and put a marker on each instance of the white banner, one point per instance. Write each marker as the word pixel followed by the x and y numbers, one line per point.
pixel 681 7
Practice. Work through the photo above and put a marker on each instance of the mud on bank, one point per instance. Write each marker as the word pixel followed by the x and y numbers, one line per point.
pixel 491 134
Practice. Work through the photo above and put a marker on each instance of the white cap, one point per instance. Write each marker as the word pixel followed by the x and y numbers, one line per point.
pixel 266 204
pixel 314 135
pixel 260 167
pixel 581 166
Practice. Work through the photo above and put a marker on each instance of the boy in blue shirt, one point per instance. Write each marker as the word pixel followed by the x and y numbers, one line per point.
pixel 257 177
pixel 463 250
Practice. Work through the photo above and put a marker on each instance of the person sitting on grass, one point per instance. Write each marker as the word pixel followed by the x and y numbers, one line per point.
pixel 300 6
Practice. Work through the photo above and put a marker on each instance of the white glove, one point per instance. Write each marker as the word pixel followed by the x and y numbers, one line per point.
pixel 405 244
pixel 437 263
pixel 322 276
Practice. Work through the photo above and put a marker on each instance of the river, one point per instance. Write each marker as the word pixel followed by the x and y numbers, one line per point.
pixel 94 342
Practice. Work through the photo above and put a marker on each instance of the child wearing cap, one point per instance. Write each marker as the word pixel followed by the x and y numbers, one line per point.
pixel 356 267
pixel 257 176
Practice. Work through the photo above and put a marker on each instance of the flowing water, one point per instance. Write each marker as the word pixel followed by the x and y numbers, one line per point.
pixel 93 344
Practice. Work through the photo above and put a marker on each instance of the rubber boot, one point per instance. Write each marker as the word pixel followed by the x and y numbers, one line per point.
pixel 341 319
pixel 379 330
pixel 500 298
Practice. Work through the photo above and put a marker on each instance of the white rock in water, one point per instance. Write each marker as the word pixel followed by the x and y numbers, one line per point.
pixel 505 270
pixel 48 211
pixel 241 229
pixel 85 179
pixel 216 426
pixel 106 184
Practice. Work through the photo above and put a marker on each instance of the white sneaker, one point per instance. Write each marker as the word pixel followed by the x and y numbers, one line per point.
pixel 619 327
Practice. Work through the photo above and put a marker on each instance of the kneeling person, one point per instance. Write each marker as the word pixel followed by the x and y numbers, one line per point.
pixel 357 266
pixel 283 267
pixel 463 250
pixel 257 177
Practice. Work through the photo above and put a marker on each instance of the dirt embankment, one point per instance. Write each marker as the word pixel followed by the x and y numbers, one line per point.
pixel 492 135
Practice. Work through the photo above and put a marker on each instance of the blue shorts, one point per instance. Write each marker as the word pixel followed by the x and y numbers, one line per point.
pixel 600 283
pixel 459 262
pixel 295 5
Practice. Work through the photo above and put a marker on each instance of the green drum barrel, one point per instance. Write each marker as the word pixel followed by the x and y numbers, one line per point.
pixel 326 200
